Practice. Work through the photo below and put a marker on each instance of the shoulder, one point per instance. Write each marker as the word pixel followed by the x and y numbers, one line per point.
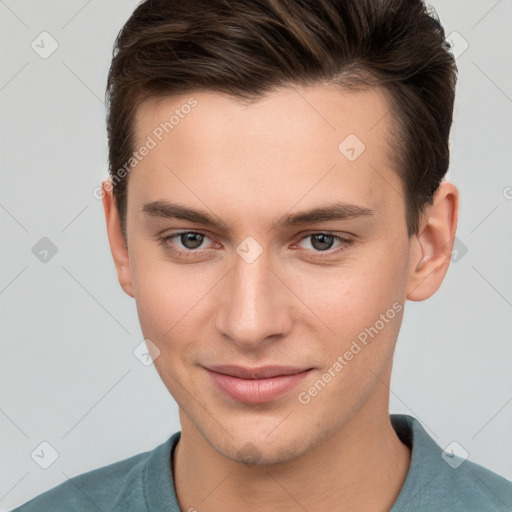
pixel 102 488
pixel 477 488
pixel 440 480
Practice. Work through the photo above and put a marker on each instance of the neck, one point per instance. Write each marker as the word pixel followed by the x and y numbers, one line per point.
pixel 360 467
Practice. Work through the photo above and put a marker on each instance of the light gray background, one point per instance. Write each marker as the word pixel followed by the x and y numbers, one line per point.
pixel 68 374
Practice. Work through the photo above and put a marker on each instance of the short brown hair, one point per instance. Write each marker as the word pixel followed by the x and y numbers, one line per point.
pixel 247 48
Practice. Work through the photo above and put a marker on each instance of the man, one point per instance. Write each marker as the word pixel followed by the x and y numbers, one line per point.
pixel 276 196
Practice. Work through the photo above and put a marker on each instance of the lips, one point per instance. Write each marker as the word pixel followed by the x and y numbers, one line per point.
pixel 256 385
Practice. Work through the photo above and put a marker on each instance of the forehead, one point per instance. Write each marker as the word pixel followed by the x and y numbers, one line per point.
pixel 295 142
pixel 292 111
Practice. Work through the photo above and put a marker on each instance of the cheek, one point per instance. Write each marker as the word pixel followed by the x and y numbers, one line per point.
pixel 345 300
pixel 167 296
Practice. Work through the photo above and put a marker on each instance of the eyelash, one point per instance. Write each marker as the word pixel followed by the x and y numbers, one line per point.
pixel 191 253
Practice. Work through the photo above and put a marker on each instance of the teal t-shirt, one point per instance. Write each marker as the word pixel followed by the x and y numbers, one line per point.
pixel 144 482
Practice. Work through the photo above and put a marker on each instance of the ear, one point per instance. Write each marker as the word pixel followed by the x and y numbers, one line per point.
pixel 116 239
pixel 432 246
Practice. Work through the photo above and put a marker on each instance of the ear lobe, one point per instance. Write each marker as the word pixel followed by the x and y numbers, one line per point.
pixel 434 245
pixel 118 246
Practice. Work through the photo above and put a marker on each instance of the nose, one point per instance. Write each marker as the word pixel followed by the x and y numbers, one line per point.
pixel 254 306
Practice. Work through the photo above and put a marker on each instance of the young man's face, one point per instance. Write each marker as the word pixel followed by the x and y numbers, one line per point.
pixel 254 290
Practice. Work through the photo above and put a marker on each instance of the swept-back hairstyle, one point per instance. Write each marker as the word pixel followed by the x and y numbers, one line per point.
pixel 247 48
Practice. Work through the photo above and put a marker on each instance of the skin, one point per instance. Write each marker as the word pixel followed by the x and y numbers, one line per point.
pixel 250 165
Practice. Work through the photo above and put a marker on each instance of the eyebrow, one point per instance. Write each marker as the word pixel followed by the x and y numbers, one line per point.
pixel 333 211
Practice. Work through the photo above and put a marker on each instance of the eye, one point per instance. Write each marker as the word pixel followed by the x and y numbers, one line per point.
pixel 323 242
pixel 191 239
pixel 185 243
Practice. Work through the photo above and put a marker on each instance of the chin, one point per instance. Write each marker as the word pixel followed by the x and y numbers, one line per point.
pixel 260 453
pixel 260 448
